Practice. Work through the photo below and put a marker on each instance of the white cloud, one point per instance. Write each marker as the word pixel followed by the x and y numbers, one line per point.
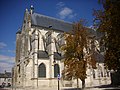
pixel 2 45
pixel 65 12
pixel 8 51
pixel 72 15
pixel 60 4
pixel 5 66
pixel 3 57
pixel 11 51
pixel 6 63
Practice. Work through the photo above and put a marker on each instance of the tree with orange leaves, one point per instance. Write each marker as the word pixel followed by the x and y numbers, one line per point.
pixel 74 56
pixel 107 20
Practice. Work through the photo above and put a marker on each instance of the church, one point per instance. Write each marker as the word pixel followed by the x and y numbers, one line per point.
pixel 39 61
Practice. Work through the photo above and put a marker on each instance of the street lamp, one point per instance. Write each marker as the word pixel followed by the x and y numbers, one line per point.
pixel 58 77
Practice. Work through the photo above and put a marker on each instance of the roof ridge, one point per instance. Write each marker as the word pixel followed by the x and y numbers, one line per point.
pixel 45 21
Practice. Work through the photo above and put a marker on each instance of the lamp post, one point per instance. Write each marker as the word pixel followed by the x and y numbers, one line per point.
pixel 58 77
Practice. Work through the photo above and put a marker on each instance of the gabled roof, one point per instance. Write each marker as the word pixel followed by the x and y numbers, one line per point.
pixel 42 54
pixel 45 21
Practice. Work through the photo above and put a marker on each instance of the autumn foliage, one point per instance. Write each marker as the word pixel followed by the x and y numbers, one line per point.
pixel 74 56
pixel 108 22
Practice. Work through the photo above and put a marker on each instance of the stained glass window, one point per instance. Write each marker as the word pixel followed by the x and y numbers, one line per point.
pixel 42 70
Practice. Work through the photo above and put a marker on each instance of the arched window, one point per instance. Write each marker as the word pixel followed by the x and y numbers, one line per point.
pixel 93 74
pixel 107 74
pixel 42 70
pixel 101 73
pixel 56 70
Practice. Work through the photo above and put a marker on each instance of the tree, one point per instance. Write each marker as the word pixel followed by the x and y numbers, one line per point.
pixel 108 22
pixel 74 55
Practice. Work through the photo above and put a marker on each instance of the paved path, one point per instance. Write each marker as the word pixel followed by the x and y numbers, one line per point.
pixel 102 87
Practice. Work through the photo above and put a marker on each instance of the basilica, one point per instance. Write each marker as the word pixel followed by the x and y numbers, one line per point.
pixel 39 59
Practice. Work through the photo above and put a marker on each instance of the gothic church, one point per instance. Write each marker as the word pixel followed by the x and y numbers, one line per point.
pixel 38 55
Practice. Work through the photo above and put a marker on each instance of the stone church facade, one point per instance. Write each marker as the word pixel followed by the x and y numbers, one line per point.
pixel 38 55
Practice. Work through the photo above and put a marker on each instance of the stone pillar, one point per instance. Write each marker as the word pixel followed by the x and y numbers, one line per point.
pixel 51 64
pixel 35 60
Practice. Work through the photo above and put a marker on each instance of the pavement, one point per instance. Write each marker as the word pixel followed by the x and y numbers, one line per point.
pixel 101 87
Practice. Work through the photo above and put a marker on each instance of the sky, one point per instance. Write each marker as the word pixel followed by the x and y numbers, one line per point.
pixel 12 14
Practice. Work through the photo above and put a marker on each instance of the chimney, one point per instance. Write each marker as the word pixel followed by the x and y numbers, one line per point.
pixel 31 9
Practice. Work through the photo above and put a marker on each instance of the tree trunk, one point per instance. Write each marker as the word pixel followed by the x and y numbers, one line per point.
pixel 83 84
pixel 77 84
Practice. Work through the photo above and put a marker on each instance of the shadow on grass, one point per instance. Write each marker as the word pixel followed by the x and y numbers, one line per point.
pixel 109 87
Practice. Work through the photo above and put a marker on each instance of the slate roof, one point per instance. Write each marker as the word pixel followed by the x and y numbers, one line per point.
pixel 56 24
pixel 18 32
pixel 91 32
pixel 99 34
pixel 46 21
pixel 42 54
pixel 99 57
pixel 57 56
pixel 5 75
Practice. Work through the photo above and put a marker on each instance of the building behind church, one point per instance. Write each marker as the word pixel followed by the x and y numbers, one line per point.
pixel 38 55
pixel 5 79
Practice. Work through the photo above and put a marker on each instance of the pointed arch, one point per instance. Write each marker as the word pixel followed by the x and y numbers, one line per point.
pixel 56 70
pixel 42 70
pixel 93 73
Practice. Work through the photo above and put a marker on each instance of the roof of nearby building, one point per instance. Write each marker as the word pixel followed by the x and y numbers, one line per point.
pixel 5 75
pixel 43 54
pixel 46 21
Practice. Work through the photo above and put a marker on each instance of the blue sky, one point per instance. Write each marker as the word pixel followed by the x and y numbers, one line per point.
pixel 12 13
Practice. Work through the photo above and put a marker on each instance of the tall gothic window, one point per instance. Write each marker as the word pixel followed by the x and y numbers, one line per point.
pixel 42 70
pixel 61 40
pixel 93 74
pixel 38 40
pixel 48 38
pixel 56 70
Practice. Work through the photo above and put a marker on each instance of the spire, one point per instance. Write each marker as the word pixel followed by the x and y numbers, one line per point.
pixel 26 10
pixel 31 9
